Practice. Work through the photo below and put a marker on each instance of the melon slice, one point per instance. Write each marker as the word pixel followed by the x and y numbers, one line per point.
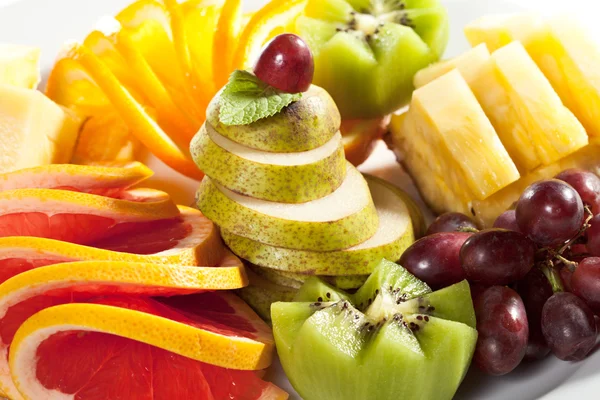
pixel 190 239
pixel 393 236
pixel 212 327
pixel 19 66
pixel 561 47
pixel 34 130
pixel 282 177
pixel 79 217
pixel 342 219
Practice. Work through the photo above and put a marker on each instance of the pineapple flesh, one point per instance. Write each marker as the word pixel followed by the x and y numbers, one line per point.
pixel 19 66
pixel 450 146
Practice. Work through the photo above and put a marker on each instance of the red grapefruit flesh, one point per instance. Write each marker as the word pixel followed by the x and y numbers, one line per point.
pixel 190 239
pixel 76 217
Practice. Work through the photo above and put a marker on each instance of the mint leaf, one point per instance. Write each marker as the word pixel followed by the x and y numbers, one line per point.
pixel 246 99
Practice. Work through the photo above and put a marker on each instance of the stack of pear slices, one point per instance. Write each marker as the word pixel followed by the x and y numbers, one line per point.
pixel 289 203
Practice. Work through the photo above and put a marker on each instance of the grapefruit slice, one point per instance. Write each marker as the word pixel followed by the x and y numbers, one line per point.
pixel 211 327
pixel 97 362
pixel 77 217
pixel 101 180
pixel 190 239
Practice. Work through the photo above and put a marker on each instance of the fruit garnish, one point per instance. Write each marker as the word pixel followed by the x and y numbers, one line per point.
pixel 286 63
pixel 246 99
pixel 345 218
pixel 393 323
pixel 503 330
pixel 19 66
pixel 394 234
pixel 366 53
pixel 35 130
pixel 104 297
pixel 272 16
pixel 304 125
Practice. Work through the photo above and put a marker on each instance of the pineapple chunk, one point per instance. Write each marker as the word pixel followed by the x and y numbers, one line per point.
pixel 447 140
pixel 34 130
pixel 19 66
pixel 486 211
pixel 467 63
pixel 562 49
pixel 534 125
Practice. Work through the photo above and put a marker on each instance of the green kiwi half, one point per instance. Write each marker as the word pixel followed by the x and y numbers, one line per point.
pixel 393 338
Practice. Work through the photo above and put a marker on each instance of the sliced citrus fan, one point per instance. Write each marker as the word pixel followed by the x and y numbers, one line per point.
pixel 226 40
pixel 210 327
pixel 272 16
pixel 79 217
pixel 149 24
pixel 190 239
pixel 133 113
pixel 98 179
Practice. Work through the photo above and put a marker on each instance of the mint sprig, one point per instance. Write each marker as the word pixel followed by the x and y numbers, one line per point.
pixel 246 99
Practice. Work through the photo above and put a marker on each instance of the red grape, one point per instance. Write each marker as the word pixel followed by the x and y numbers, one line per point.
pixel 507 220
pixel 535 290
pixel 450 222
pixel 550 212
pixel 586 183
pixel 497 257
pixel 503 330
pixel 435 259
pixel 286 63
pixel 585 282
pixel 593 236
pixel 565 276
pixel 569 326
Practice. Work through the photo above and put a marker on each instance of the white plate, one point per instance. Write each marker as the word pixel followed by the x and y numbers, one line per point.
pixel 48 23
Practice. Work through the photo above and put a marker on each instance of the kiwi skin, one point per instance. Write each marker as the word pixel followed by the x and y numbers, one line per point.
pixel 387 349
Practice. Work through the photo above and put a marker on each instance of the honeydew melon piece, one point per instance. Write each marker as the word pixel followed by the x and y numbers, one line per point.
pixel 303 125
pixel 282 177
pixel 34 130
pixel 393 236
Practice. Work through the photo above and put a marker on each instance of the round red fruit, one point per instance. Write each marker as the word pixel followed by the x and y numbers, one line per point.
pixel 286 63
pixel 450 222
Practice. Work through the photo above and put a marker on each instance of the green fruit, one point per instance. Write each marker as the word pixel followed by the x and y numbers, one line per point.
pixel 393 236
pixel 303 125
pixel 345 218
pixel 260 294
pixel 281 177
pixel 296 280
pixel 317 290
pixel 367 52
pixel 393 348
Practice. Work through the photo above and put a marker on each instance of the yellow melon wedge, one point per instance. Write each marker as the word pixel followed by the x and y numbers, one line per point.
pixel 34 130
pixel 566 53
pixel 19 66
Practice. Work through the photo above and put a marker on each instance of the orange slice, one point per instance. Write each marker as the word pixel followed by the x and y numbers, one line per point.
pixel 149 25
pixel 212 327
pixel 225 40
pixel 90 179
pixel 258 30
pixel 141 124
pixel 191 239
pixel 79 217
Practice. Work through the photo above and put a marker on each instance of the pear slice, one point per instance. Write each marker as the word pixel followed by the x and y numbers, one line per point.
pixel 303 125
pixel 282 177
pixel 394 235
pixel 261 293
pixel 296 280
pixel 342 219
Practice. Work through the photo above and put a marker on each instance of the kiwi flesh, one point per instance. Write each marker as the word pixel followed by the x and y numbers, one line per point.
pixel 393 338
pixel 367 51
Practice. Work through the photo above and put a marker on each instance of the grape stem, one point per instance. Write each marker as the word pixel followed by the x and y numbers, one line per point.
pixel 568 263
pixel 581 232
pixel 467 229
pixel 552 276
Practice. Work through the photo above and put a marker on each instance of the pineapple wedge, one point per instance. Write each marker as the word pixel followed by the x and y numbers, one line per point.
pixel 562 49
pixel 34 130
pixel 467 63
pixel 19 66
pixel 450 146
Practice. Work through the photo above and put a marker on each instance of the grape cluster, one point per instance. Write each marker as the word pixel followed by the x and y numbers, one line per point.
pixel 535 276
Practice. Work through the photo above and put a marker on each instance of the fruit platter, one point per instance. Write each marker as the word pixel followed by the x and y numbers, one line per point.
pixel 298 199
